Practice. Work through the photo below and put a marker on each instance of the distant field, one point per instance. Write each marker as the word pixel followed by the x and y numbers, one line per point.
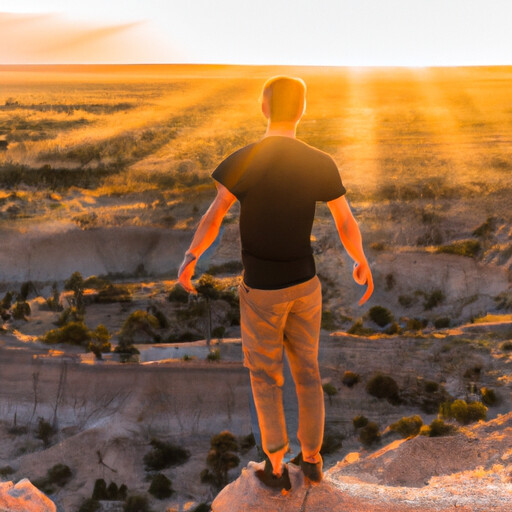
pixel 103 136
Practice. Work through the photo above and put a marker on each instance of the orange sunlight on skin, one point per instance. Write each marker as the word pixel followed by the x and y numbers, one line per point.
pixel 210 223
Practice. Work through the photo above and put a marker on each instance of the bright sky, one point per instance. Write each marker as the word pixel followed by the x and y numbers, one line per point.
pixel 308 32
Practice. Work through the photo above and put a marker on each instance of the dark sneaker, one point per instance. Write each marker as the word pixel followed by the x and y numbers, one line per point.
pixel 275 482
pixel 311 471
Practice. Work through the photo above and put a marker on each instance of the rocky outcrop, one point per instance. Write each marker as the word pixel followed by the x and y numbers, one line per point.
pixel 467 472
pixel 24 497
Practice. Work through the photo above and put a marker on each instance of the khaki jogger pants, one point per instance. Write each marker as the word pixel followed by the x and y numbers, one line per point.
pixel 271 320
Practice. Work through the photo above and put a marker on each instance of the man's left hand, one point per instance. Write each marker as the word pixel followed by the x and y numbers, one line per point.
pixel 186 272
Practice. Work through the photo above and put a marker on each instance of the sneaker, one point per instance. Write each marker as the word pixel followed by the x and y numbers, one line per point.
pixel 312 471
pixel 267 477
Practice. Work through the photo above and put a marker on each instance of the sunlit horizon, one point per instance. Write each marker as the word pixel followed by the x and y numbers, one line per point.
pixel 349 33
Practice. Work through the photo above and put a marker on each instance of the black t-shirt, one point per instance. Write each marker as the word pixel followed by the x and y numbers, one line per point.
pixel 278 181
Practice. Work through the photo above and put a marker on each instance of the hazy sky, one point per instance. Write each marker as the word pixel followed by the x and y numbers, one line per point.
pixel 312 32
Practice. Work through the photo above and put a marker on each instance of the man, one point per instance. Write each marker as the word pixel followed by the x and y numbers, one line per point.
pixel 278 181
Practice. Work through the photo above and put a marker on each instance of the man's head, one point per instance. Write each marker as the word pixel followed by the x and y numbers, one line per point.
pixel 283 99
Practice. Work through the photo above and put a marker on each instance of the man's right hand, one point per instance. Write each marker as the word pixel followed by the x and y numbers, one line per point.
pixel 363 275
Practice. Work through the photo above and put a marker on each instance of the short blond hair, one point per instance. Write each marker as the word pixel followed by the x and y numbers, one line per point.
pixel 286 97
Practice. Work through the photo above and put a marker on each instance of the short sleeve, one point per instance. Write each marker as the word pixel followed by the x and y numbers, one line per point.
pixel 330 186
pixel 231 171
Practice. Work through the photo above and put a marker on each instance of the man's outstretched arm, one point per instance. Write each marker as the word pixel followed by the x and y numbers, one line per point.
pixel 350 237
pixel 205 234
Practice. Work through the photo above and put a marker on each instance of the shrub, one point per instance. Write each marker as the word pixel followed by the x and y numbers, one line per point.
pixel 21 310
pixel 75 333
pixel 136 504
pixel 358 329
pixel 57 476
pixel 218 332
pixel 414 324
pixel 89 505
pixel 161 486
pixel 221 458
pixel 469 248
pixel 330 391
pixel 213 355
pixel 332 442
pixel 393 328
pixel 202 507
pixel 350 379
pixel 70 314
pixel 437 428
pixel 406 300
pixel 246 443
pixel 139 322
pixel 44 431
pixel 99 491
pixel 431 386
pixel 7 300
pixel 6 470
pixel 407 426
pixel 380 315
pixel 178 294
pixel 488 396
pixel 506 346
pixel 486 229
pixel 359 421
pixel 164 455
pixel 442 322
pixel 53 302
pixel 383 386
pixel 113 293
pixel 96 283
pixel 433 299
pixel 463 412
pixel 369 434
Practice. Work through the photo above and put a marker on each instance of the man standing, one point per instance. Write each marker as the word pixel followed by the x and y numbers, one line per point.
pixel 278 181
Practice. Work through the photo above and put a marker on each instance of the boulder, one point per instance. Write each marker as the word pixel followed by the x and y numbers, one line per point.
pixel 24 497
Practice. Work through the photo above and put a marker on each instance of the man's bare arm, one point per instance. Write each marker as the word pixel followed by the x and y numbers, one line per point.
pixel 350 237
pixel 205 234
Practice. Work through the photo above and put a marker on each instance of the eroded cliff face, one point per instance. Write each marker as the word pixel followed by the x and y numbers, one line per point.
pixel 469 471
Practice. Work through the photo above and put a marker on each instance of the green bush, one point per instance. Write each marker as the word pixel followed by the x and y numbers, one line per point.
pixel 57 476
pixel 463 412
pixel 21 310
pixel 407 426
pixel 350 379
pixel 383 386
pixel 96 283
pixel 202 507
pixel 469 248
pixel 332 442
pixel 437 428
pixel 488 396
pixel 433 299
pixel 328 323
pixel 442 322
pixel 164 455
pixel 369 434
pixel 246 442
pixel 69 315
pixel 76 333
pixel 161 487
pixel 358 329
pixel 100 490
pixel 229 267
pixel 380 315
pixel 406 300
pixel 330 391
pixel 89 505
pixel 113 293
pixel 6 470
pixel 506 346
pixel 218 332
pixel 136 504
pixel 359 421
pixel 138 322
pixel 178 294
pixel 44 431
pixel 213 355
pixel 221 458
pixel 431 386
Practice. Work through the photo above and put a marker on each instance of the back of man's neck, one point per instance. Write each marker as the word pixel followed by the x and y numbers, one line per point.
pixel 281 130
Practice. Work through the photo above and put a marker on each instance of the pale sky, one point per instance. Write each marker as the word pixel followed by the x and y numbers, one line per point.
pixel 302 32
